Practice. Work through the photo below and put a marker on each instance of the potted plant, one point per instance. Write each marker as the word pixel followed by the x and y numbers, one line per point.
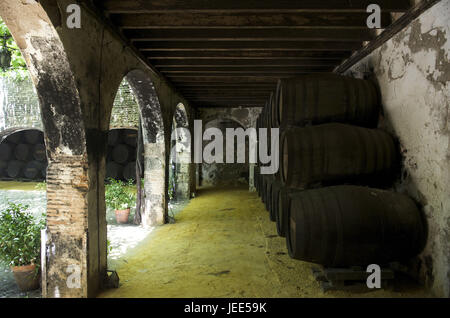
pixel 20 244
pixel 119 197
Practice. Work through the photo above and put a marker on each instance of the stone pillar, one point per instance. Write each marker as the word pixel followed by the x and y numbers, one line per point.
pixel 67 188
pixel 154 184
pixel 251 177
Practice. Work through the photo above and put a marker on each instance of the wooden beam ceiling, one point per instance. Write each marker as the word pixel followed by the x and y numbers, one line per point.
pixel 232 52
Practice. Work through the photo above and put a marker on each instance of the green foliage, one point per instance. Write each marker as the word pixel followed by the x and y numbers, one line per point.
pixel 118 195
pixel 18 70
pixel 108 246
pixel 41 186
pixel 20 234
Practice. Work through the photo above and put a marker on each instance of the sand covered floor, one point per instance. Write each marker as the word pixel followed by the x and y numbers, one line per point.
pixel 224 245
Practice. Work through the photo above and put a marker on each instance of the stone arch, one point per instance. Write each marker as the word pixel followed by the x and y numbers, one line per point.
pixel 213 174
pixel 152 124
pixel 72 193
pixel 180 154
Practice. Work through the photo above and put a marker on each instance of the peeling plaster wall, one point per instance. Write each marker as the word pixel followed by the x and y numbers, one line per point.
pixel 413 72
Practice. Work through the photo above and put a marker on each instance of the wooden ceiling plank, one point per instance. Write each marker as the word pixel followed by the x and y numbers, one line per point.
pixel 325 34
pixel 247 46
pixel 295 20
pixel 133 6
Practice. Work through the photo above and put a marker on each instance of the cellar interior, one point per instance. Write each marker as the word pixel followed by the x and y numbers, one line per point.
pixel 229 148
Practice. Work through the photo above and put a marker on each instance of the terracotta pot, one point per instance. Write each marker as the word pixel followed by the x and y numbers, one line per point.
pixel 26 277
pixel 122 216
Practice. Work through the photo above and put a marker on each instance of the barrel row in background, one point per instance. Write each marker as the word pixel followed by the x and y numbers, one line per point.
pixel 327 197
pixel 23 154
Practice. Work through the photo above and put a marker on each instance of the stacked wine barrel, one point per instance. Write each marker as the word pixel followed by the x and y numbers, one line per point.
pixel 22 155
pixel 329 196
pixel 121 158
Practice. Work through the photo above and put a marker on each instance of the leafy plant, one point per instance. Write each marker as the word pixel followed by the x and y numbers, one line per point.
pixel 18 69
pixel 20 234
pixel 118 195
pixel 41 185
pixel 108 246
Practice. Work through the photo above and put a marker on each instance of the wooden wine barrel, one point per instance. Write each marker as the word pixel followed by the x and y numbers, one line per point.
pixel 22 152
pixel 336 153
pixel 264 181
pixel 114 170
pixel 15 137
pixel 130 137
pixel 14 169
pixel 275 190
pixel 353 226
pixel 283 205
pixel 33 170
pixel 5 151
pixel 129 172
pixel 39 152
pixel 268 191
pixel 113 137
pixel 256 177
pixel 3 166
pixel 317 99
pixel 259 189
pixel 33 136
pixel 121 153
pixel 44 170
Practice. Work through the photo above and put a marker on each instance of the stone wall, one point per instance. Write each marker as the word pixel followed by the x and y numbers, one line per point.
pixel 413 72
pixel 19 105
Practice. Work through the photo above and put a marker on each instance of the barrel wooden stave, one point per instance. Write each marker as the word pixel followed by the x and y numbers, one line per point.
pixel 353 226
pixel 284 200
pixel 22 152
pixel 317 99
pixel 336 153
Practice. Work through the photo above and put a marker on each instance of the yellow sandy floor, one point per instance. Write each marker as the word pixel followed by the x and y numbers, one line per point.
pixel 19 185
pixel 223 245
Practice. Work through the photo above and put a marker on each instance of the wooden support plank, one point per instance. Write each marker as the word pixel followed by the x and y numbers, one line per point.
pixel 247 46
pixel 227 74
pixel 304 34
pixel 246 69
pixel 241 55
pixel 201 63
pixel 398 25
pixel 183 20
pixel 133 6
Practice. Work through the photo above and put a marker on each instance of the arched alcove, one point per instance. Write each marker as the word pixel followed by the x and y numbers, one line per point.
pixel 216 174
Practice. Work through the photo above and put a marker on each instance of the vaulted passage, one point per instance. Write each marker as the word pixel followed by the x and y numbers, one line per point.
pixel 253 137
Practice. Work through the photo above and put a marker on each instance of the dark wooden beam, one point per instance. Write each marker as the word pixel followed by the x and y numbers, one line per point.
pixel 247 46
pixel 133 6
pixel 201 63
pixel 273 74
pixel 263 69
pixel 398 25
pixel 224 79
pixel 241 55
pixel 183 20
pixel 306 34
pixel 209 85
